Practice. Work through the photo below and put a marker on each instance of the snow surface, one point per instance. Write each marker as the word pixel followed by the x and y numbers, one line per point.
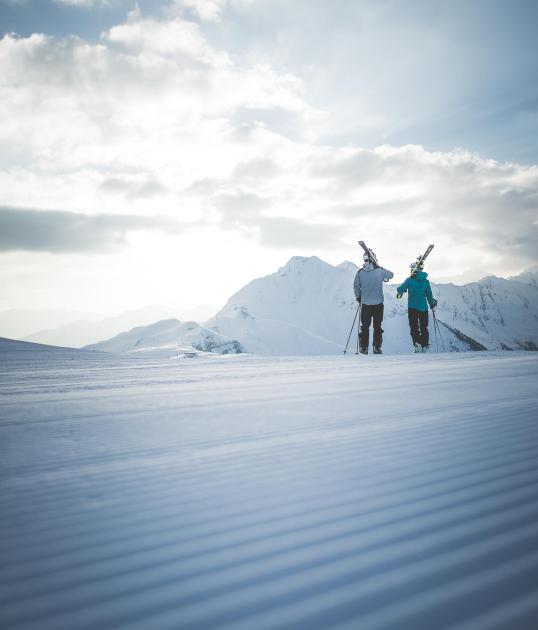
pixel 258 492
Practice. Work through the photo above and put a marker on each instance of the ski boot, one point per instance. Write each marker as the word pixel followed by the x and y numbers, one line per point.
pixel 377 350
pixel 418 348
pixel 425 348
pixel 363 350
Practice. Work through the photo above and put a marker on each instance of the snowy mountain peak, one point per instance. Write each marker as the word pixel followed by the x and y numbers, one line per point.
pixel 347 266
pixel 529 276
pixel 299 263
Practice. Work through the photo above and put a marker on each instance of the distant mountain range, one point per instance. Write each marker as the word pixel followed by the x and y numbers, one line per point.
pixel 20 323
pixel 307 307
pixel 75 329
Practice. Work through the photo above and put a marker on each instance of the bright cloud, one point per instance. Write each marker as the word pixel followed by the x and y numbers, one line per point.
pixel 154 121
pixel 209 10
pixel 479 211
pixel 86 3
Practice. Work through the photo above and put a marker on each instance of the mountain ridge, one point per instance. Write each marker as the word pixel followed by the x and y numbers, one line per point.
pixel 307 307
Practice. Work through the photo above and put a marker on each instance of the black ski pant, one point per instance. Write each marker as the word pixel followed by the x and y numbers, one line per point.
pixel 369 313
pixel 418 323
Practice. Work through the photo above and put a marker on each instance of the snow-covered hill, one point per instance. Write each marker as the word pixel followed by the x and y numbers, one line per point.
pixel 307 308
pixel 16 348
pixel 259 492
pixel 168 338
pixel 495 312
pixel 312 295
pixel 12 351
pixel 22 323
pixel 81 332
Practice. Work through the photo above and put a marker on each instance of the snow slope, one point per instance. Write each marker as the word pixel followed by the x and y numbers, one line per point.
pixel 495 312
pixel 168 338
pixel 13 350
pixel 257 492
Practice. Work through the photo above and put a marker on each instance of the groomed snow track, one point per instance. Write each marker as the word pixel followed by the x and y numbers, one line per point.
pixel 247 493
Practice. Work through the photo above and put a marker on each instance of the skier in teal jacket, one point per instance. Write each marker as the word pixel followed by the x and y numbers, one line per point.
pixel 420 296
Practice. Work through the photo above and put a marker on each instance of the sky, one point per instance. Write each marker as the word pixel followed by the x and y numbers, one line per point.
pixel 171 151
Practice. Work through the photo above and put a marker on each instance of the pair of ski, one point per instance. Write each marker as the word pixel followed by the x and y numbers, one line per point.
pixel 371 256
pixel 418 266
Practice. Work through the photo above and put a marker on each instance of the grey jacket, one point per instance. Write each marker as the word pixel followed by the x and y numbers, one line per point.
pixel 368 285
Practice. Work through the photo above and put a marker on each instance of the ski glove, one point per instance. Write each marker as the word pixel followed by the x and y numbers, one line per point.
pixel 359 300
pixel 399 296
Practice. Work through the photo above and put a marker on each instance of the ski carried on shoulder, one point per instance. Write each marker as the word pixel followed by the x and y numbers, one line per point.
pixel 370 253
pixel 420 262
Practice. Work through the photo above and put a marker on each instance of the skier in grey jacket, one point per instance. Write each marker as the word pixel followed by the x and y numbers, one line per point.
pixel 368 287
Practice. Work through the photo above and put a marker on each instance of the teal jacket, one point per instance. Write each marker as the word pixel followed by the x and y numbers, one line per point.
pixel 420 292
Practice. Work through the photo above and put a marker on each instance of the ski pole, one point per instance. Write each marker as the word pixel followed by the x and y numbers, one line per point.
pixel 438 329
pixel 359 327
pixel 352 327
pixel 435 333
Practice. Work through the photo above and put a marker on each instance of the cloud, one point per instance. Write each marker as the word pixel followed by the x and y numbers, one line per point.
pixel 255 169
pixel 26 229
pixel 150 95
pixel 155 110
pixel 285 233
pixel 475 208
pixel 209 10
pixel 134 189
pixel 239 209
pixel 206 10
pixel 87 3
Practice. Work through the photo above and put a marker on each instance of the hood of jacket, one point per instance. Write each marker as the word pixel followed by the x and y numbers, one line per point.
pixel 367 267
pixel 421 275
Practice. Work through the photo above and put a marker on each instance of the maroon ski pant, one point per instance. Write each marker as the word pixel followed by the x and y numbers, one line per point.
pixel 418 324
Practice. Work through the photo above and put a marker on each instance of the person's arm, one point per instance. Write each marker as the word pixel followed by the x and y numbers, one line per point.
pixel 357 286
pixel 402 288
pixel 387 275
pixel 429 296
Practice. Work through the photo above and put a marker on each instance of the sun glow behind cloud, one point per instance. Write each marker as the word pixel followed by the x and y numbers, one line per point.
pixel 154 121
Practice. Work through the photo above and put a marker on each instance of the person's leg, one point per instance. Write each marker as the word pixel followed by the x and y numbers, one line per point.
pixel 424 335
pixel 378 331
pixel 412 314
pixel 366 318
